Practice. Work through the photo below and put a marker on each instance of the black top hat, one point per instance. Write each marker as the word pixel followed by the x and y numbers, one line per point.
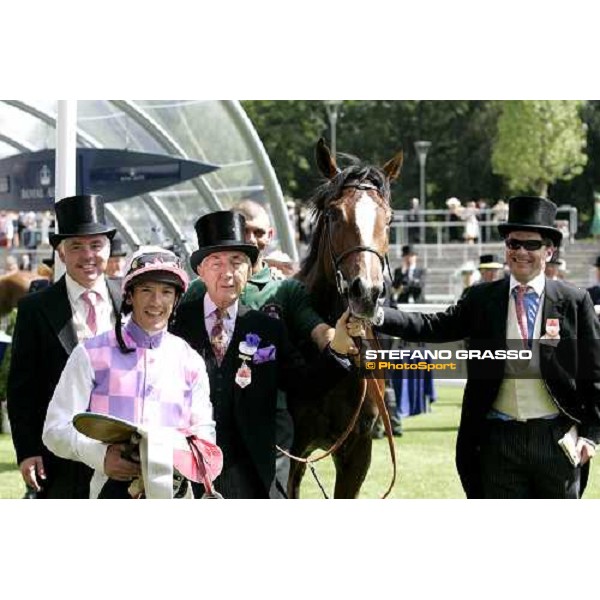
pixel 597 263
pixel 554 259
pixel 116 247
pixel 218 231
pixel 530 213
pixel 407 250
pixel 80 215
pixel 489 261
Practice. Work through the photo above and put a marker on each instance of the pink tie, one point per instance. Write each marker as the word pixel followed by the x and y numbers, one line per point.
pixel 90 298
pixel 521 314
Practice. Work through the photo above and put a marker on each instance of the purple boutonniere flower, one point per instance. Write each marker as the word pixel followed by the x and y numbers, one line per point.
pixel 250 345
pixel 266 354
pixel 253 340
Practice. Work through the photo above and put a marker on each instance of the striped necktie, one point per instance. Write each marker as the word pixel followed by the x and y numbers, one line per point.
pixel 218 335
pixel 527 302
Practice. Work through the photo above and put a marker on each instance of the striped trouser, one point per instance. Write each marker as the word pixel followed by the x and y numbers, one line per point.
pixel 523 460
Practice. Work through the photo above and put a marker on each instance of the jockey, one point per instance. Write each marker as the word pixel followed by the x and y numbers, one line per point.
pixel 144 380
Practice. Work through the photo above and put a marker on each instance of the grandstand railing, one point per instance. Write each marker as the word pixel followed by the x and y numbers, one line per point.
pixel 434 227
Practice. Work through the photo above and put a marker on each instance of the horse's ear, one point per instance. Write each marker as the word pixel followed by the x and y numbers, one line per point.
pixel 325 161
pixel 393 167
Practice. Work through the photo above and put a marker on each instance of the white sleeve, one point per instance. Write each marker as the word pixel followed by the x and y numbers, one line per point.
pixel 202 422
pixel 72 396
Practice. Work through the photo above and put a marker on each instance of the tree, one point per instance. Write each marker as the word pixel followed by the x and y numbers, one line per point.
pixel 459 163
pixel 289 129
pixel 538 143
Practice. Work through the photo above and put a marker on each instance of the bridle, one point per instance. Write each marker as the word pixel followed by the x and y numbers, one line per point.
pixel 336 260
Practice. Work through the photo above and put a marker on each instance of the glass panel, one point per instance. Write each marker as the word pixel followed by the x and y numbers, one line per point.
pixel 25 128
pixel 7 150
pixel 113 128
pixel 142 219
pixel 202 129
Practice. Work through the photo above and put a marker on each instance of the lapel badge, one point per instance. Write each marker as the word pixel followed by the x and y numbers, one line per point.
pixel 552 335
pixel 243 377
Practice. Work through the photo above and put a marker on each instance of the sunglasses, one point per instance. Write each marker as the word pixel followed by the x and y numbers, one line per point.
pixel 153 258
pixel 529 245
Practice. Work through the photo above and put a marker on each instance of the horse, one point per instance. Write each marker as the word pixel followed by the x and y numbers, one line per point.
pixel 13 286
pixel 344 267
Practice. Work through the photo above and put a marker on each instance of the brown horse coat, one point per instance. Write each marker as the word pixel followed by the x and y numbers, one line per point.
pixel 344 267
pixel 13 286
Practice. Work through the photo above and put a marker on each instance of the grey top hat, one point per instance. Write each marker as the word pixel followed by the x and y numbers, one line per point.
pixel 79 216
pixel 531 213
pixel 219 231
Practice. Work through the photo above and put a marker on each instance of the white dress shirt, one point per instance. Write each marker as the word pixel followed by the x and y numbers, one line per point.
pixel 210 318
pixel 105 318
pixel 538 284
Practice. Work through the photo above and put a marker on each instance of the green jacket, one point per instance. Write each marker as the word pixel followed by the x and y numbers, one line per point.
pixel 285 299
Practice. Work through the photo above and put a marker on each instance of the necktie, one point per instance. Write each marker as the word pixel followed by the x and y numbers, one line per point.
pixel 91 298
pixel 527 302
pixel 218 335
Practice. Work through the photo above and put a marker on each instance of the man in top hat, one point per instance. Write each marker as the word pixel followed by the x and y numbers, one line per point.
pixel 49 325
pixel 45 273
pixel 515 411
pixel 408 281
pixel 553 267
pixel 594 291
pixel 490 267
pixel 281 298
pixel 247 355
pixel 116 260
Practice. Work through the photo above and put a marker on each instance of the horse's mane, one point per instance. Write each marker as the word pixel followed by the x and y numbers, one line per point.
pixel 331 189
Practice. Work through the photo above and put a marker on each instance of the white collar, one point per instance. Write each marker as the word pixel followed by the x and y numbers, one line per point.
pixel 75 289
pixel 538 283
pixel 210 307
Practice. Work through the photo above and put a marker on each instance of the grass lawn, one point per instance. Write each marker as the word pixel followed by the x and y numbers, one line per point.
pixel 425 457
pixel 11 484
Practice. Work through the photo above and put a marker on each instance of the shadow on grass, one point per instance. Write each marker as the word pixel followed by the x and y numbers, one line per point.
pixel 420 429
pixel 5 467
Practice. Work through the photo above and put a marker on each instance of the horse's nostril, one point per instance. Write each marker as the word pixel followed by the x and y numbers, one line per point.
pixel 376 293
pixel 356 288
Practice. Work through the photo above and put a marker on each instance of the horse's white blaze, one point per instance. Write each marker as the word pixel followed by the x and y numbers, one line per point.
pixel 366 214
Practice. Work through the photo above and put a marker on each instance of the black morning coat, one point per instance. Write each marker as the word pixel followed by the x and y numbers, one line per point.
pixel 254 406
pixel 570 371
pixel 43 338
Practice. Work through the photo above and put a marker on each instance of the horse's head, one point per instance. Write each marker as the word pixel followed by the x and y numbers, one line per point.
pixel 355 212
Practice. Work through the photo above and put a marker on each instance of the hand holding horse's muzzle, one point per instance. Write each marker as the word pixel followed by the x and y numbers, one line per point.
pixel 357 328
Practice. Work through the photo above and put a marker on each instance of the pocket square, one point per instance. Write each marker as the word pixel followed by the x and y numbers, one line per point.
pixel 266 354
